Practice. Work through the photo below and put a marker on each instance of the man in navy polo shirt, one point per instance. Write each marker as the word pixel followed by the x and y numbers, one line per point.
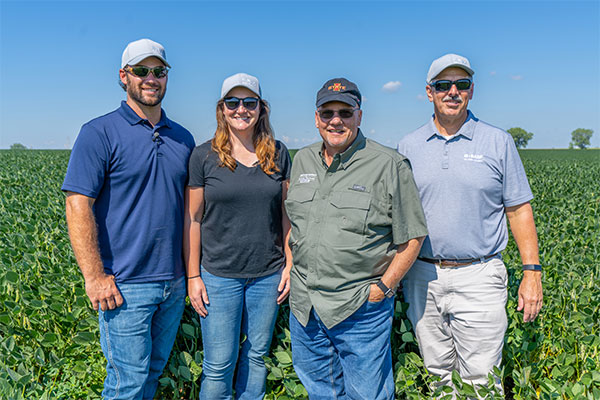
pixel 470 178
pixel 124 207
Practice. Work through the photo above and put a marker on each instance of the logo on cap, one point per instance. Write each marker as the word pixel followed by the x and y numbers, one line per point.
pixel 336 87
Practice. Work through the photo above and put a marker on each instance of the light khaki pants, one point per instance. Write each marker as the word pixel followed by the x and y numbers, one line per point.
pixel 459 317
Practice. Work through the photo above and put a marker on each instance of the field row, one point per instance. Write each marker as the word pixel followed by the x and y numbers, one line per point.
pixel 49 345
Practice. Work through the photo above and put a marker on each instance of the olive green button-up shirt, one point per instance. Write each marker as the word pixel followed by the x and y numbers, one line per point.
pixel 347 221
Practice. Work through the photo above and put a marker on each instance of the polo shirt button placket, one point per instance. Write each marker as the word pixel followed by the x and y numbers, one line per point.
pixel 445 160
pixel 157 142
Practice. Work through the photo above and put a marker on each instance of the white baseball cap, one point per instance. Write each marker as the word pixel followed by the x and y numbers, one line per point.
pixel 241 79
pixel 141 49
pixel 447 61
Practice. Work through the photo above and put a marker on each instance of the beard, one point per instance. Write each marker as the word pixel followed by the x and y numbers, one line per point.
pixel 134 90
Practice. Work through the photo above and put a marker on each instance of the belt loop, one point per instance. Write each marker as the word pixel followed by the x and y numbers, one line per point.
pixel 482 260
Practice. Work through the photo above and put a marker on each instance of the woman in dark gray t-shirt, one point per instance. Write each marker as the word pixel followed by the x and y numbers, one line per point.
pixel 235 241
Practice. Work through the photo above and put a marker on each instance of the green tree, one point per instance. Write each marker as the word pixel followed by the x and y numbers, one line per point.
pixel 17 146
pixel 581 138
pixel 520 136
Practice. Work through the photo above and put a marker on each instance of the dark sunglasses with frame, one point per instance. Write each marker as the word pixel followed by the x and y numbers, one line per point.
pixel 232 103
pixel 445 85
pixel 344 113
pixel 141 71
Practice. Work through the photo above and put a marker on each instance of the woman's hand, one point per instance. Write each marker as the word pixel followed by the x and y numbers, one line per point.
pixel 284 284
pixel 198 295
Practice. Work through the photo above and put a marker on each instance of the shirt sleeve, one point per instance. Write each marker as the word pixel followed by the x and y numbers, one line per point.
pixel 401 148
pixel 285 162
pixel 515 187
pixel 89 162
pixel 408 219
pixel 196 167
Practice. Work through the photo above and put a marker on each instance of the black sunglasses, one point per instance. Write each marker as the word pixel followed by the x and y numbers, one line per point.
pixel 142 71
pixel 344 113
pixel 445 85
pixel 249 103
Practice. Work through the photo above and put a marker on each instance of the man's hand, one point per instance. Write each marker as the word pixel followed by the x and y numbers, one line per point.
pixel 198 296
pixel 100 287
pixel 103 292
pixel 530 295
pixel 375 294
pixel 523 229
pixel 403 259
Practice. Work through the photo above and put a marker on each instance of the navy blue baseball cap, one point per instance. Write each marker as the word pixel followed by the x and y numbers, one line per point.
pixel 339 89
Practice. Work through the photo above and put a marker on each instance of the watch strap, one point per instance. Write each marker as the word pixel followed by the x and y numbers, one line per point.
pixel 388 292
pixel 532 267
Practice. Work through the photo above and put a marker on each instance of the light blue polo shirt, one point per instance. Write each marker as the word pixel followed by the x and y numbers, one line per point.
pixel 138 180
pixel 465 182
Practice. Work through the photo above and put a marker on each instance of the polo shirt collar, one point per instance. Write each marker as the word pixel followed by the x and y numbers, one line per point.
pixel 130 116
pixel 346 155
pixel 465 130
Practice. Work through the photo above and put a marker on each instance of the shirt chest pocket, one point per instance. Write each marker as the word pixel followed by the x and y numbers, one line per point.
pixel 347 220
pixel 297 207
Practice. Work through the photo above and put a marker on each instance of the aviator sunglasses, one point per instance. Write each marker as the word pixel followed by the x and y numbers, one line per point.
pixel 344 113
pixel 142 71
pixel 233 103
pixel 445 85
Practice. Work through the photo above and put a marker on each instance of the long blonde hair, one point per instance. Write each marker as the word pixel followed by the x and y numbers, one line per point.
pixel 262 139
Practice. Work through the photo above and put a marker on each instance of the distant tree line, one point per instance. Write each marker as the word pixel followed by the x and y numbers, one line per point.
pixel 579 137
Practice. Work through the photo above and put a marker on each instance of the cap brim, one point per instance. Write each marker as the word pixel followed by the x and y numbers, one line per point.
pixel 224 94
pixel 341 97
pixel 142 57
pixel 456 65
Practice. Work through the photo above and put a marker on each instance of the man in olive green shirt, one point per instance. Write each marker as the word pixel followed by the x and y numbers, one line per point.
pixel 357 227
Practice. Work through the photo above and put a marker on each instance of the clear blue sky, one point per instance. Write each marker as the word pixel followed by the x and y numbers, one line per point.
pixel 536 63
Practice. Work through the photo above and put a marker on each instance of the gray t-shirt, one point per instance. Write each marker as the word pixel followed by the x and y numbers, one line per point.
pixel 465 182
pixel 241 227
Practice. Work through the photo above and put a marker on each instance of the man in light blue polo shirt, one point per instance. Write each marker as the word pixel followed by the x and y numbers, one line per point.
pixel 470 178
pixel 124 207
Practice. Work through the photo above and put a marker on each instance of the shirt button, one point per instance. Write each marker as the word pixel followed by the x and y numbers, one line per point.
pixel 323 197
pixel 317 221
pixel 313 245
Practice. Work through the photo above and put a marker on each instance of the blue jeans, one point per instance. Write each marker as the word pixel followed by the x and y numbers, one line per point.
pixel 352 360
pixel 137 337
pixel 237 305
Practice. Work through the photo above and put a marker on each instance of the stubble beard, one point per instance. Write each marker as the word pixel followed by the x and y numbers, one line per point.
pixel 135 92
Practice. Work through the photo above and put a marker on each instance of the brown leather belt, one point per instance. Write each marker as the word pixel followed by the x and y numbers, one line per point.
pixel 459 262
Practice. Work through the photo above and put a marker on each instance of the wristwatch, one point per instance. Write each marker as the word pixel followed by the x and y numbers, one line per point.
pixel 387 292
pixel 532 267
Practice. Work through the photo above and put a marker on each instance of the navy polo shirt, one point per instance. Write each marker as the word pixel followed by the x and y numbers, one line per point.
pixel 465 182
pixel 138 185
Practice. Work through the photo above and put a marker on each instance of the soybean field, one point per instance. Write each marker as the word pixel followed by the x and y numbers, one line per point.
pixel 49 340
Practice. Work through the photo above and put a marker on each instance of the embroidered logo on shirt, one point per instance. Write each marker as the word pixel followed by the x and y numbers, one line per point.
pixel 473 157
pixel 305 178
pixel 358 188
